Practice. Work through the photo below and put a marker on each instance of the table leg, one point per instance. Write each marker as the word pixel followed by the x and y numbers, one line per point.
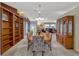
pixel 43 53
pixel 33 53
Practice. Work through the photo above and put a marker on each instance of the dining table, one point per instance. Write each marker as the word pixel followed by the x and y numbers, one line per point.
pixel 38 45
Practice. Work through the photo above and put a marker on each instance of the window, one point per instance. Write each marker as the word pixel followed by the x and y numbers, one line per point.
pixel 52 26
pixel 46 25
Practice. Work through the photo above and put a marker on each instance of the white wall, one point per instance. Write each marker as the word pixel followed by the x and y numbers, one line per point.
pixel 50 21
pixel 45 20
pixel 75 12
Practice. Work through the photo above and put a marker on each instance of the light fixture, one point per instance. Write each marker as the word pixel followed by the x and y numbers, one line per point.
pixel 20 13
pixel 38 12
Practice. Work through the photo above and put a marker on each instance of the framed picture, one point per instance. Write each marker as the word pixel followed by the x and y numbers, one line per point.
pixel 4 17
pixel 17 25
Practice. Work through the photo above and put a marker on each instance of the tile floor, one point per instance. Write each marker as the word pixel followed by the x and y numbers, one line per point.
pixel 20 49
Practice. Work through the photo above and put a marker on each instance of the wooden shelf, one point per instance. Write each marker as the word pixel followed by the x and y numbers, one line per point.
pixel 5 48
pixel 6 42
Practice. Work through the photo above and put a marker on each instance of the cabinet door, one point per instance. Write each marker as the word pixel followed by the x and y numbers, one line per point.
pixel 64 28
pixel 70 27
pixel 60 27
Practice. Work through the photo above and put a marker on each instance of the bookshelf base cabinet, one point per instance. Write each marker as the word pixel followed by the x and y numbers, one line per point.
pixel 68 42
pixel 60 39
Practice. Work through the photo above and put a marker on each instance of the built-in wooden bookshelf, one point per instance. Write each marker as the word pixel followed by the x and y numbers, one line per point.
pixel 7 30
pixel 21 28
pixel 68 31
pixel 0 28
pixel 11 27
pixel 17 25
pixel 65 31
pixel 18 29
pixel 59 33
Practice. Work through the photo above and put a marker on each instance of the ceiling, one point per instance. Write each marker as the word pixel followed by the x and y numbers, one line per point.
pixel 49 10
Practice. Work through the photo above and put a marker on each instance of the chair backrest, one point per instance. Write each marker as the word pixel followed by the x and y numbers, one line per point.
pixel 29 34
pixel 37 43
